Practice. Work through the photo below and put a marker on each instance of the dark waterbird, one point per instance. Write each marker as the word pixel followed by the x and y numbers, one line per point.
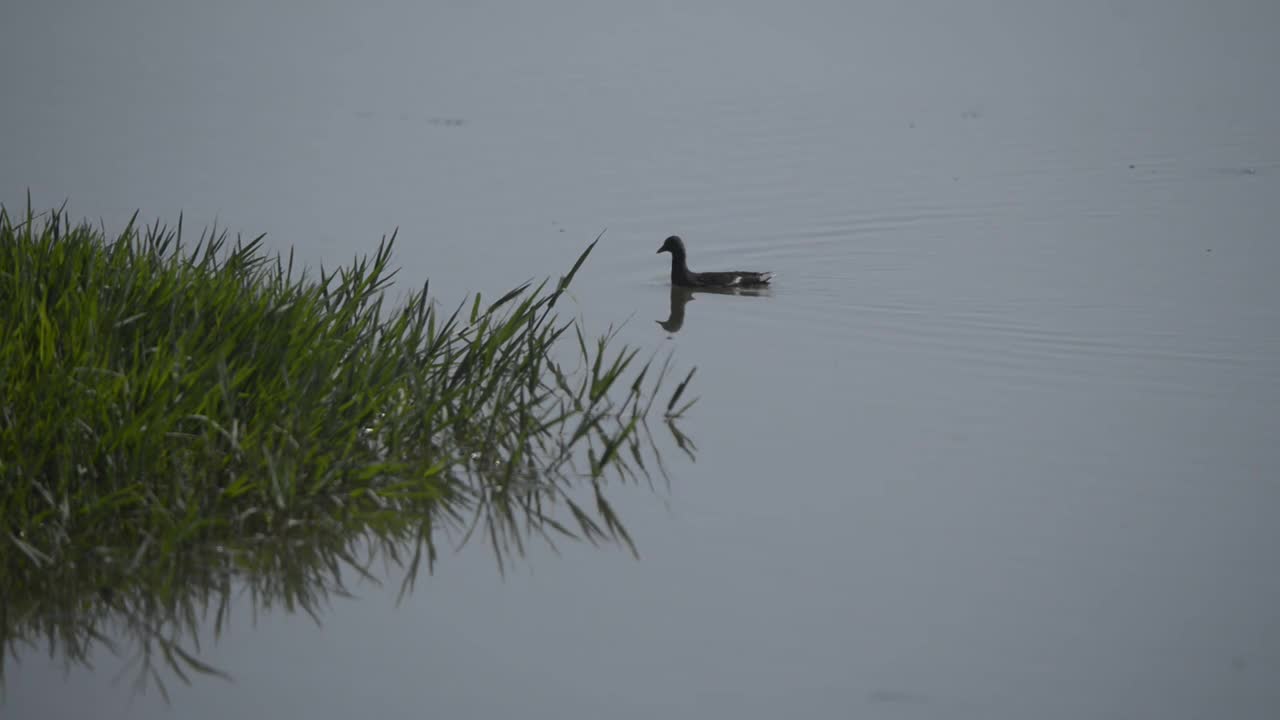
pixel 682 276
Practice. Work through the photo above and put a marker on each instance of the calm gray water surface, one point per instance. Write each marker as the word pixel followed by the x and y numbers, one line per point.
pixel 1001 443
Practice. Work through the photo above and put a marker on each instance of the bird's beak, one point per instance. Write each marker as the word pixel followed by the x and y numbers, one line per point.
pixel 660 251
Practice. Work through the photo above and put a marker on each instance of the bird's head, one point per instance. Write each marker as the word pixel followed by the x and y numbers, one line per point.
pixel 672 245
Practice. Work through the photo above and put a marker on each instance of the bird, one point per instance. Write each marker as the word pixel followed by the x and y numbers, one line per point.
pixel 682 276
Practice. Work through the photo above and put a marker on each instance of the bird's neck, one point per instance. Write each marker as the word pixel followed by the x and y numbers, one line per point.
pixel 679 270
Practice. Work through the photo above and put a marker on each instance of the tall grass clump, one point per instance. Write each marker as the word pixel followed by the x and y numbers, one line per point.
pixel 174 417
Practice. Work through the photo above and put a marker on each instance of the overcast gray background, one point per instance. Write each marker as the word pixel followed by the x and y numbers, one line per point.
pixel 1001 444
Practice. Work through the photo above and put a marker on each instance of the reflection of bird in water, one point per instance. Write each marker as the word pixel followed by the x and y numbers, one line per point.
pixel 681 296
pixel 683 276
pixel 675 320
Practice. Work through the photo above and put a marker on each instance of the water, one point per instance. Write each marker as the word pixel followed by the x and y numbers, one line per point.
pixel 1000 442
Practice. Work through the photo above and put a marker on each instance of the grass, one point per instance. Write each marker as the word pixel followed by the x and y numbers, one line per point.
pixel 178 421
